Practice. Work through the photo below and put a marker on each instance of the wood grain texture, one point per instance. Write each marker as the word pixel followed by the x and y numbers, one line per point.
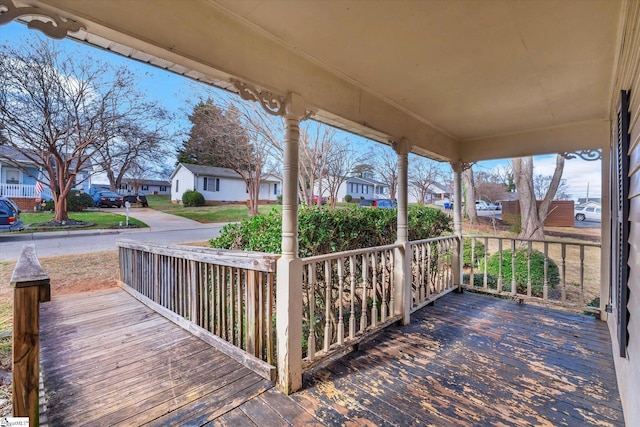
pixel 473 360
pixel 107 359
pixel 469 360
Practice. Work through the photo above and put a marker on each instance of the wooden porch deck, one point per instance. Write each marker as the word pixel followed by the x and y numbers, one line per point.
pixel 468 360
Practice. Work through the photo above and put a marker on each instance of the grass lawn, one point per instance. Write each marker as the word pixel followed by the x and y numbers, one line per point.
pixel 100 218
pixel 206 214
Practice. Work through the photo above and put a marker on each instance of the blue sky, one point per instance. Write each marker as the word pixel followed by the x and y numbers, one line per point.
pixel 178 94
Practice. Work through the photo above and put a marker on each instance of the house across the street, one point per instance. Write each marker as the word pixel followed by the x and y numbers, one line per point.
pixel 219 185
pixel 144 186
pixel 18 180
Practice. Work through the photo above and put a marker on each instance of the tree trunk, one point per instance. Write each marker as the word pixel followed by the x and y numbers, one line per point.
pixel 531 217
pixel 470 195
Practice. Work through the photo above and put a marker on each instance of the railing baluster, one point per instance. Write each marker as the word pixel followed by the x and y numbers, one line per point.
pixel 582 301
pixel 374 286
pixel 365 277
pixel 545 289
pixel 392 290
pixel 529 249
pixel 485 283
pixel 422 267
pixel 472 282
pixel 500 266
pixel 564 273
pixel 383 306
pixel 430 280
pixel 352 284
pixel 311 285
pixel 514 286
pixel 340 301
pixel 327 304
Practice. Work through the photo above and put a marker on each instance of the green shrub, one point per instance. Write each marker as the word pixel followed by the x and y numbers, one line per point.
pixel 77 201
pixel 279 199
pixel 537 271
pixel 348 198
pixel 192 198
pixel 478 280
pixel 478 253
pixel 322 231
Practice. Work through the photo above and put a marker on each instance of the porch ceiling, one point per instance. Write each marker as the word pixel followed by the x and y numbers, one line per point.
pixel 459 79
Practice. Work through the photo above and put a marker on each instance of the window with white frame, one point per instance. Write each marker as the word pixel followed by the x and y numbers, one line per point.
pixel 211 184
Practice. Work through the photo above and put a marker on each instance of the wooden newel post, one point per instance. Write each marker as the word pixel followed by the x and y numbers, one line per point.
pixel 31 287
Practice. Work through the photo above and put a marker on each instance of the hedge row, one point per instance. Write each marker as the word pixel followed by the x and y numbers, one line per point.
pixel 323 231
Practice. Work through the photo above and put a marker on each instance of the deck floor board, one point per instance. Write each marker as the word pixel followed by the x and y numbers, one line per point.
pixel 468 360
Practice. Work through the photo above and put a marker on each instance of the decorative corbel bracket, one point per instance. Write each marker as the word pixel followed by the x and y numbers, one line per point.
pixel 588 155
pixel 57 28
pixel 272 104
pixel 461 166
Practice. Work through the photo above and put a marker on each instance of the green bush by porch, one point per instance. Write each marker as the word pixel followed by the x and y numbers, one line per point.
pixel 521 271
pixel 324 231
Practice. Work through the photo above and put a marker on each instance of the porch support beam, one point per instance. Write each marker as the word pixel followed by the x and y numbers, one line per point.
pixel 402 255
pixel 605 233
pixel 458 168
pixel 289 266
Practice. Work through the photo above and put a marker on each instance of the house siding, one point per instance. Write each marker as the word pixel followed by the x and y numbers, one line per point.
pixel 181 182
pixel 628 78
pixel 230 189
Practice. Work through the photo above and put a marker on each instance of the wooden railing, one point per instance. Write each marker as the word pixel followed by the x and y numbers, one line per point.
pixel 31 287
pixel 346 296
pixel 431 269
pixel 552 272
pixel 229 294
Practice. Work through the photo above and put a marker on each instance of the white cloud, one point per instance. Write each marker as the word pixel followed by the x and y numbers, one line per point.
pixel 582 176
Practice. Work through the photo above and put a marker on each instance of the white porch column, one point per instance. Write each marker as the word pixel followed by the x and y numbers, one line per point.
pixel 605 232
pixel 402 268
pixel 289 266
pixel 457 167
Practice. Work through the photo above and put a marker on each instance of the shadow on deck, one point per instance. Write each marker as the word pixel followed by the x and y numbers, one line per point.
pixel 468 360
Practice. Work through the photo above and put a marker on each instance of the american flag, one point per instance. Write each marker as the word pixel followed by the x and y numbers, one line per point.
pixel 38 187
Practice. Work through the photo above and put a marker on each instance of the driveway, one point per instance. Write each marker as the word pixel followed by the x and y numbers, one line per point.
pixel 160 221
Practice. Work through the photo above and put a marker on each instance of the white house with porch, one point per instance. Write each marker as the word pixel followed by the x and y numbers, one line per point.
pixel 219 185
pixel 19 178
pixel 457 81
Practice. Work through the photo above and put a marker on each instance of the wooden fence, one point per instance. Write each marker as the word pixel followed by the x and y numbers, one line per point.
pixel 228 294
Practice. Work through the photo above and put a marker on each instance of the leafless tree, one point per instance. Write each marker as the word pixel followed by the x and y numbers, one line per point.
pixel 385 162
pixel 137 149
pixel 489 187
pixel 541 185
pixel 218 137
pixel 58 109
pixel 532 216
pixel 423 174
pixel 341 160
pixel 315 144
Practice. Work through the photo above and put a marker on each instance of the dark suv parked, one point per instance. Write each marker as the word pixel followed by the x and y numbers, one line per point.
pixel 136 198
pixel 9 215
pixel 107 199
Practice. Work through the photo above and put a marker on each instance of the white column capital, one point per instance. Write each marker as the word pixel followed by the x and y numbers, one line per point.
pixel 401 146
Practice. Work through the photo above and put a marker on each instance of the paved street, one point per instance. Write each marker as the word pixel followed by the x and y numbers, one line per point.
pixel 163 229
pixel 577 224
